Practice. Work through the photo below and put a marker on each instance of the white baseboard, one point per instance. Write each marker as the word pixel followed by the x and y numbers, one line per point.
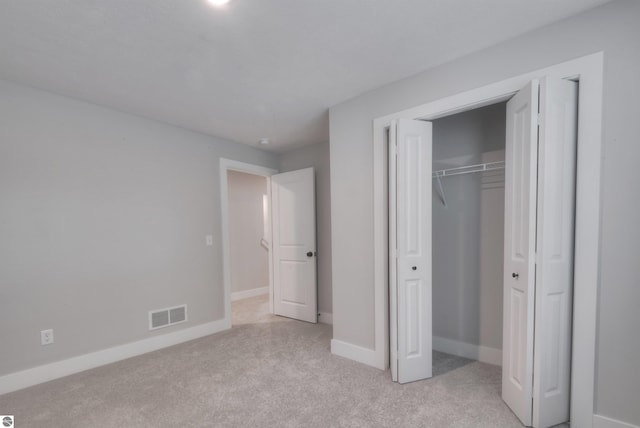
pixel 354 352
pixel 47 372
pixel 600 421
pixel 467 350
pixel 245 294
pixel 325 318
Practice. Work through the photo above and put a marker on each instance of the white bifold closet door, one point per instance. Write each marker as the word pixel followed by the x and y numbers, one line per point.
pixel 410 154
pixel 538 260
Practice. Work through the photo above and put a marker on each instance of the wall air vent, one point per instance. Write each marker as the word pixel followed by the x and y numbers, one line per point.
pixel 165 317
pixel 178 314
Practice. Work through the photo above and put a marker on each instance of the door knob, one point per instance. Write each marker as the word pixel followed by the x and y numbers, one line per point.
pixel 414 268
pixel 309 254
pixel 515 275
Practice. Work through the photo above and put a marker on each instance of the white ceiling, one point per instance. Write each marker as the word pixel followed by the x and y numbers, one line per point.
pixel 256 68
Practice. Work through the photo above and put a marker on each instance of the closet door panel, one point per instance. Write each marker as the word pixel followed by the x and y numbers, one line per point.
pixel 519 249
pixel 555 242
pixel 413 252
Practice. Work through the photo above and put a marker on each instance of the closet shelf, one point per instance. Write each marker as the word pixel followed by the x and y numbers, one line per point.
pixel 468 169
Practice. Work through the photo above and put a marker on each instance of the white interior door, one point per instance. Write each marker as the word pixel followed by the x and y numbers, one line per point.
pixel 554 264
pixel 410 154
pixel 294 244
pixel 539 236
pixel 521 162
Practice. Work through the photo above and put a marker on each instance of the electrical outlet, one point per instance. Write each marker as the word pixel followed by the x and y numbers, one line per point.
pixel 46 337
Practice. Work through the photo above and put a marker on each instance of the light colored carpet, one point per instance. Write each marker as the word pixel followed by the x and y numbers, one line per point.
pixel 265 372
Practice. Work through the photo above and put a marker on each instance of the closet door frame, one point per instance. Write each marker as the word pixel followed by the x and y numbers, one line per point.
pixel 588 72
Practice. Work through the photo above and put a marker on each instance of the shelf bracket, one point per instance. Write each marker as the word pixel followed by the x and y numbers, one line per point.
pixel 444 200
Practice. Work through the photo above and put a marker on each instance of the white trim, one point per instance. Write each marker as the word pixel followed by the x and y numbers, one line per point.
pixel 589 71
pixel 587 242
pixel 231 165
pixel 600 421
pixel 325 318
pixel 483 354
pixel 245 294
pixel 353 352
pixel 47 372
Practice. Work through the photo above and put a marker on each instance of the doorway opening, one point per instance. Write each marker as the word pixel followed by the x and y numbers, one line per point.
pixel 536 279
pixel 247 185
pixel 468 233
pixel 249 231
pixel 282 224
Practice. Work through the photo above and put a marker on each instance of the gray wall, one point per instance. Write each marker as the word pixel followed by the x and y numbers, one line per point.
pixel 103 217
pixel 248 259
pixel 317 156
pixel 468 234
pixel 612 28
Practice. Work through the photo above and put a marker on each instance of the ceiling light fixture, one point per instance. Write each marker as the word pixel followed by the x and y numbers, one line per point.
pixel 218 3
pixel 263 141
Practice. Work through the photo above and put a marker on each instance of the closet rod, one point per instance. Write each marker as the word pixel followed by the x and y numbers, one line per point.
pixel 481 167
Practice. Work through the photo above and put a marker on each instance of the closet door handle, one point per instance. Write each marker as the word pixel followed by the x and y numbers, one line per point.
pixel 515 275
pixel 414 268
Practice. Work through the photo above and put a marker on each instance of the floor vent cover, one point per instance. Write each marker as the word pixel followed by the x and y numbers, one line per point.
pixel 166 317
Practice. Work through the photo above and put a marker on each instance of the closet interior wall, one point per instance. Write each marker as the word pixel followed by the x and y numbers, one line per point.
pixel 468 233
